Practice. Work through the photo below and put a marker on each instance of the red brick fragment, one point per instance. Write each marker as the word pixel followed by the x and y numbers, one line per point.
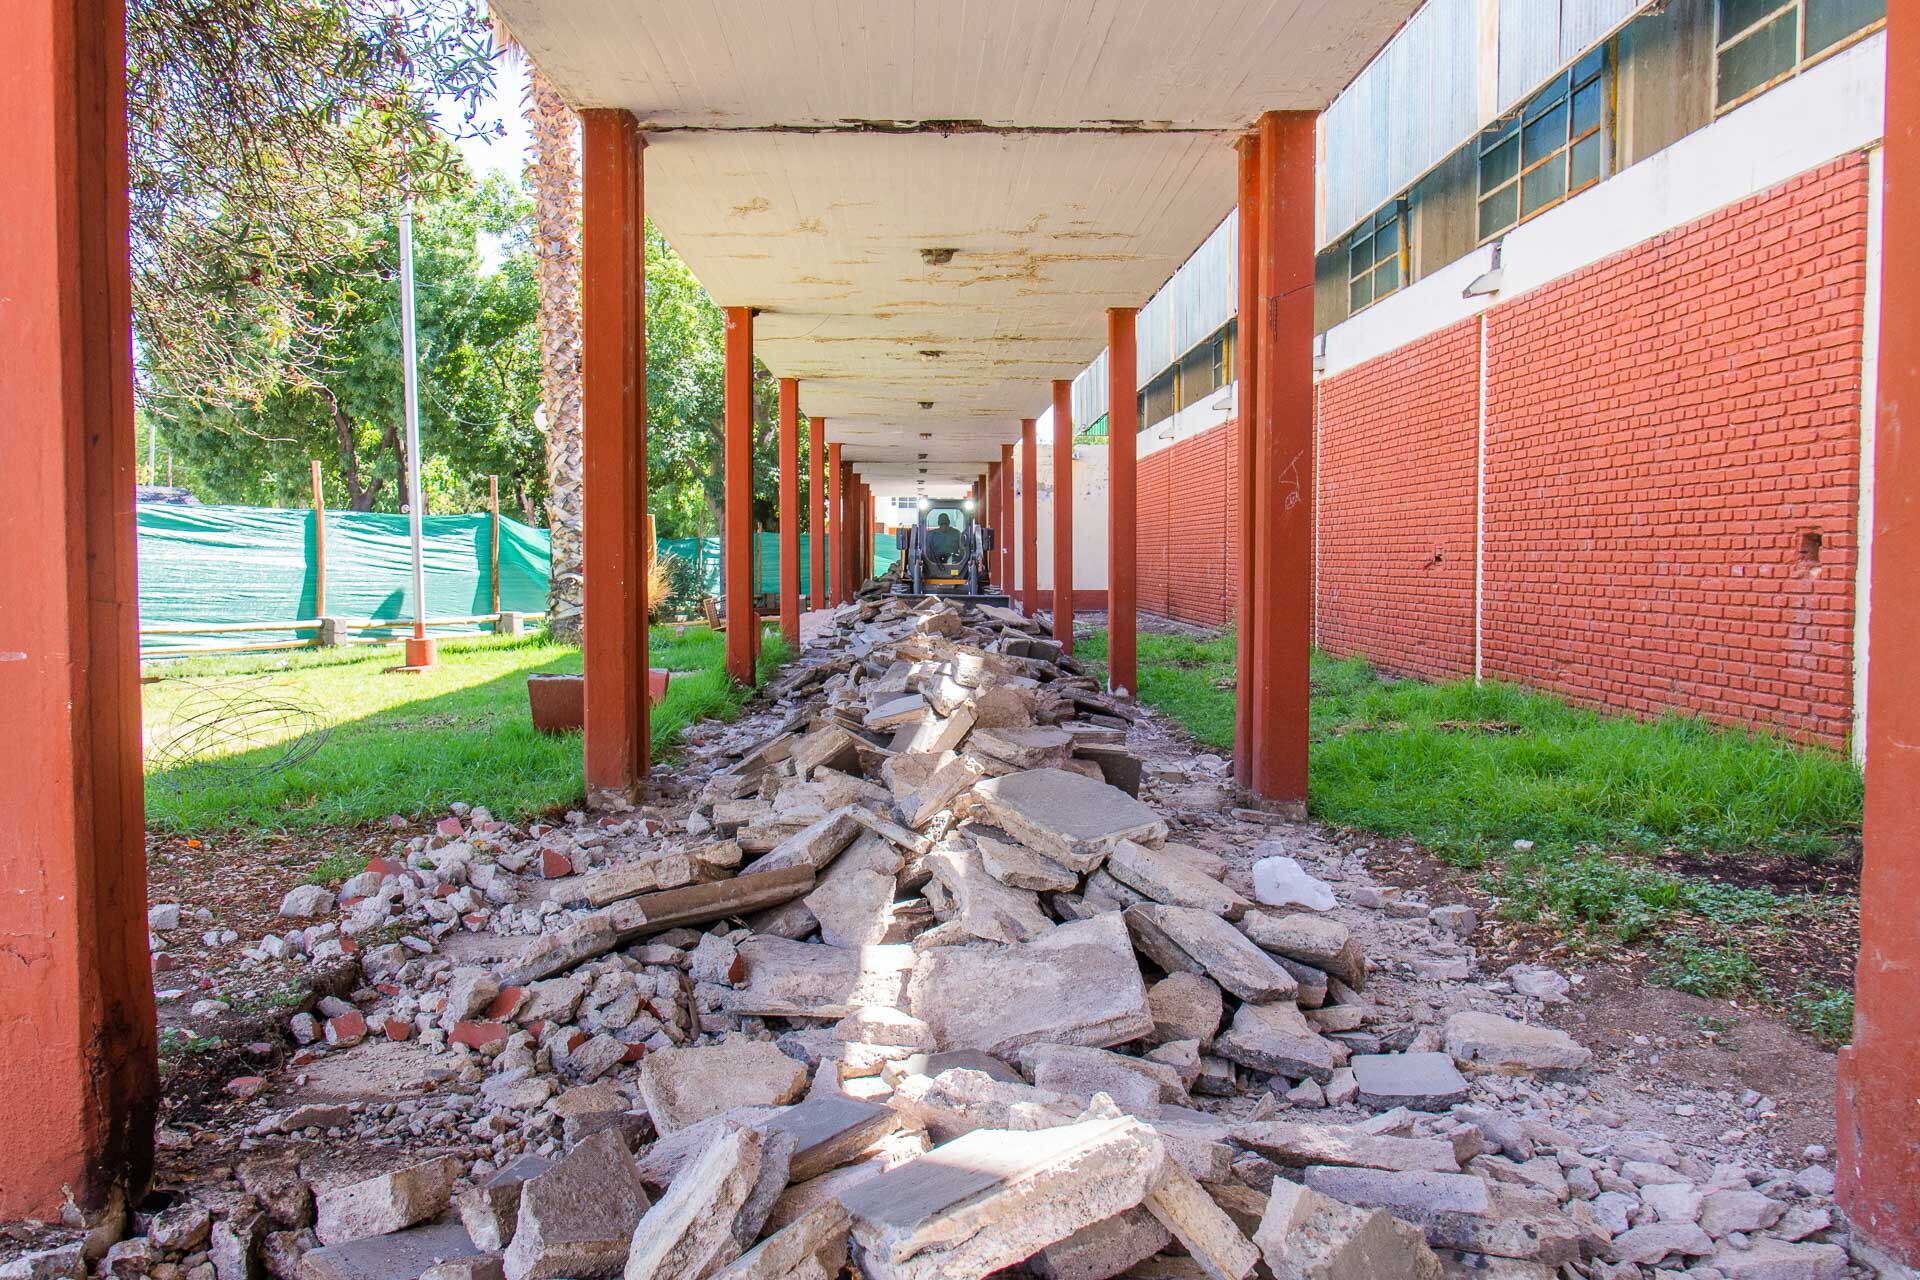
pixel 478 1035
pixel 554 864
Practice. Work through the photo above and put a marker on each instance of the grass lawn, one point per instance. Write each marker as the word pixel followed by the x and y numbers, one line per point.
pixel 415 744
pixel 1607 803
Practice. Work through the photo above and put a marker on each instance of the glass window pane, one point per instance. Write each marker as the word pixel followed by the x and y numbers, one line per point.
pixel 1586 107
pixel 1831 21
pixel 1737 15
pixel 1499 164
pixel 1494 134
pixel 1387 241
pixel 1387 278
pixel 1545 135
pixel 1360 258
pixel 1758 58
pixel 1360 293
pixel 1498 212
pixel 1585 162
pixel 1544 100
pixel 1589 67
pixel 1543 186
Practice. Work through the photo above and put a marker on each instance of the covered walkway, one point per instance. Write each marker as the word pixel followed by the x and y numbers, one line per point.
pixel 924 219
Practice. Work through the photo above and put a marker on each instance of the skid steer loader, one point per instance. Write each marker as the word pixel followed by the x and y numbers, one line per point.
pixel 944 553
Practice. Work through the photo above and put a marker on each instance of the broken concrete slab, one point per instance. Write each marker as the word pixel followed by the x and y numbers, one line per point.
pixel 1489 1042
pixel 1103 1249
pixel 1075 984
pixel 1324 943
pixel 1460 1211
pixel 814 1247
pixel 402 1255
pixel 687 1084
pixel 381 1205
pixel 1418 1081
pixel 984 906
pixel 791 979
pixel 489 1209
pixel 1299 1145
pixel 1202 1227
pixel 831 747
pixel 576 1217
pixel 1183 939
pixel 1025 747
pixel 851 901
pixel 1277 1038
pixel 1185 1006
pixel 1012 863
pixel 1304 1235
pixel 991 1199
pixel 813 846
pixel 829 1132
pixel 960 1100
pixel 1167 876
pixel 939 791
pixel 715 1208
pixel 1070 818
pixel 909 708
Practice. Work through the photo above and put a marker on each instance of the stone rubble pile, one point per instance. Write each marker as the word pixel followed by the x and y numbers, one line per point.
pixel 916 986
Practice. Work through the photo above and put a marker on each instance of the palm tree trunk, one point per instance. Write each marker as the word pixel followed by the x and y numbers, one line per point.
pixel 557 272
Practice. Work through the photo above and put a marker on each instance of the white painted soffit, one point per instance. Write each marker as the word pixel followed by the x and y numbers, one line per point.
pixel 804 153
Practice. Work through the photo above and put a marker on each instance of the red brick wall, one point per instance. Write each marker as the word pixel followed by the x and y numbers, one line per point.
pixel 1667 431
pixel 1399 444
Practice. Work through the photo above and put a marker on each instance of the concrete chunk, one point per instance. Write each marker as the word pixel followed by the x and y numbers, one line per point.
pixel 403 1255
pixel 1459 1211
pixel 1012 863
pixel 1420 1081
pixel 1277 1039
pixel 992 1199
pixel 1490 1042
pixel 959 1101
pixel 714 1211
pixel 576 1217
pixel 1304 1235
pixel 986 908
pixel 489 1209
pixel 1167 875
pixel 1182 939
pixel 1075 984
pixel 812 1248
pixel 852 900
pixel 828 1132
pixel 1300 1145
pixel 391 1202
pixel 800 979
pixel 1137 1085
pixel 686 1084
pixel 1070 818
pixel 1026 747
pixel 1186 1006
pixel 814 846
pixel 1325 944
pixel 1202 1227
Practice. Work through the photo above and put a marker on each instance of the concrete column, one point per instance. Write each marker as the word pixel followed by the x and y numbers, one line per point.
pixel 1123 426
pixel 817 509
pixel 790 510
pixel 1007 532
pixel 742 621
pixel 1063 513
pixel 1879 1141
pixel 1283 457
pixel 1029 517
pixel 614 444
pixel 77 1064
pixel 1245 357
pixel 837 522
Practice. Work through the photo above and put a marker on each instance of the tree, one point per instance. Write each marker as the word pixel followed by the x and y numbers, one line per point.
pixel 264 135
pixel 479 373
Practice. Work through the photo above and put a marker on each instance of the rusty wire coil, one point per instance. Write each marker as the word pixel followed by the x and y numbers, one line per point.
pixel 227 731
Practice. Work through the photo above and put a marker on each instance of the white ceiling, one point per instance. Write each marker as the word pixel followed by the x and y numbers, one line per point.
pixel 804 153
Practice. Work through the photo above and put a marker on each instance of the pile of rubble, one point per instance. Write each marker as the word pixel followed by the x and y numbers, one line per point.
pixel 915 984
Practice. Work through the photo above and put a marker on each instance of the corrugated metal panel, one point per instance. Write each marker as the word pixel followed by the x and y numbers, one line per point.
pixel 1584 23
pixel 1356 167
pixel 1432 93
pixel 1206 289
pixel 1529 47
pixel 1090 393
pixel 1153 332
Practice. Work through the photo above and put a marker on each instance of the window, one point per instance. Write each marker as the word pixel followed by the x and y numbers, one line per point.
pixel 1156 399
pixel 1553 147
pixel 1762 42
pixel 1377 256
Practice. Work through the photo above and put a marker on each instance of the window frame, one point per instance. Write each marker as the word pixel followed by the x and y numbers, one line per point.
pixel 1512 127
pixel 1801 61
pixel 1401 211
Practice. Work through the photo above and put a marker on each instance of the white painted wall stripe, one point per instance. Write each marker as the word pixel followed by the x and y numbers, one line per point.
pixel 1869 417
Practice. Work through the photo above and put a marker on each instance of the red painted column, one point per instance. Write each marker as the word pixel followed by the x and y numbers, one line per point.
pixel 1063 513
pixel 1283 457
pixel 1246 362
pixel 614 444
pixel 790 510
pixel 1123 567
pixel 990 513
pixel 1029 517
pixel 1879 1141
pixel 837 523
pixel 77 1039
pixel 817 509
pixel 742 621
pixel 1009 531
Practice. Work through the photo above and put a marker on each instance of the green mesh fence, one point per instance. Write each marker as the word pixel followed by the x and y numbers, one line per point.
pixel 211 565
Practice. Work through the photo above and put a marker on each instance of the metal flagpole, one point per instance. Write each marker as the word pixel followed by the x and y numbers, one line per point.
pixel 420 650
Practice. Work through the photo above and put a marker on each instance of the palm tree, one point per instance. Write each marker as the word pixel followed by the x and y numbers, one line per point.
pixel 556 249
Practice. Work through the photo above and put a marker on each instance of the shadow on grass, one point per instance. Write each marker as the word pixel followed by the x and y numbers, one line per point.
pixel 475 744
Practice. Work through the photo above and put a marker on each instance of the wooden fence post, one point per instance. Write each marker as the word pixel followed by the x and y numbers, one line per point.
pixel 319 546
pixel 493 553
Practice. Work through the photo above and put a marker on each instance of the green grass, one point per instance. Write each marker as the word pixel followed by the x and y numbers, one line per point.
pixel 413 744
pixel 1468 770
